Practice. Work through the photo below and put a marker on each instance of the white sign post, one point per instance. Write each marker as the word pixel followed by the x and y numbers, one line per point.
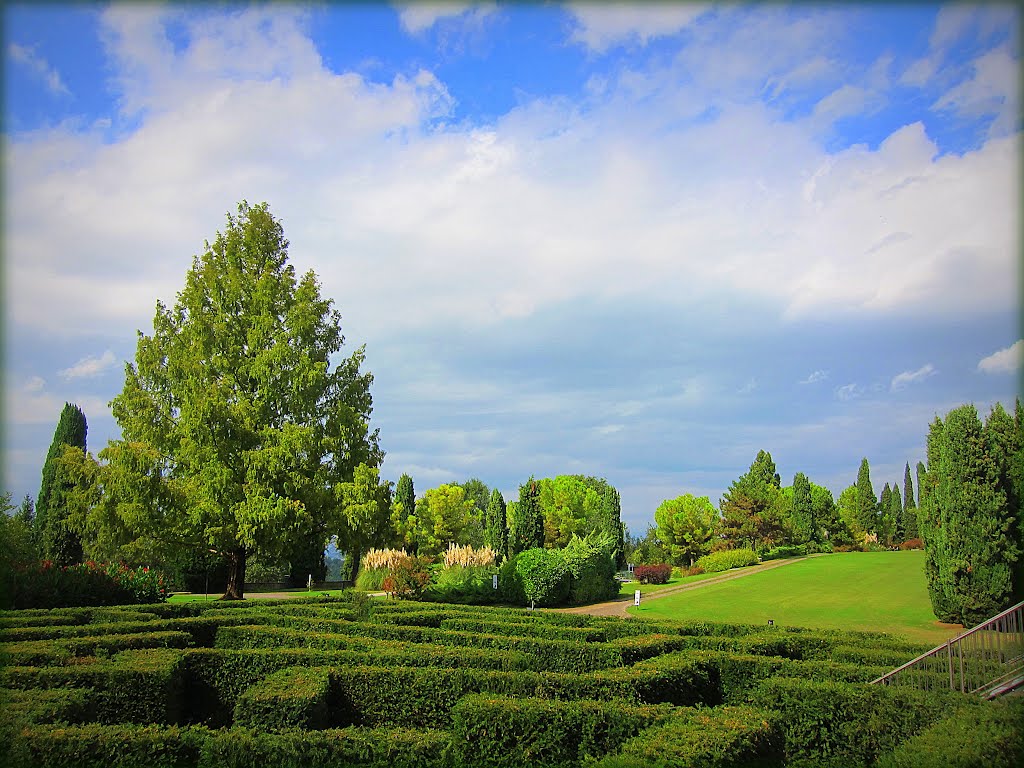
pixel 636 597
pixel 494 581
pixel 309 583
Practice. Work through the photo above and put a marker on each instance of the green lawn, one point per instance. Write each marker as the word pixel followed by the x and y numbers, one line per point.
pixel 878 591
pixel 629 587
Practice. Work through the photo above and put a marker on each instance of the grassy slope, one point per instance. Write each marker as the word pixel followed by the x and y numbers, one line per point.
pixel 880 591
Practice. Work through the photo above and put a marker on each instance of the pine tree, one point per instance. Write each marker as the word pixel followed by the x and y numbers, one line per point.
pixel 57 541
pixel 909 506
pixel 867 505
pixel 804 524
pixel 496 524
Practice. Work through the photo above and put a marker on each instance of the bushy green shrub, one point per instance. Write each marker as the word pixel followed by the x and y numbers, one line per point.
pixel 371 579
pixel 590 563
pixel 989 736
pixel 723 737
pixel 510 584
pixel 294 697
pixel 495 731
pixel 45 585
pixel 784 551
pixel 544 577
pixel 465 585
pixel 726 559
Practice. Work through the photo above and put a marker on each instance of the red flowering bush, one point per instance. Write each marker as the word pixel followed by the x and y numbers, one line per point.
pixel 912 544
pixel 45 585
pixel 408 577
pixel 653 574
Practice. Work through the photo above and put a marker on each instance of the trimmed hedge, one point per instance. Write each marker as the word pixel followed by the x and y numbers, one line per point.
pixel 141 686
pixel 989 736
pixel 107 746
pixel 727 559
pixel 834 723
pixel 295 697
pixel 544 630
pixel 498 731
pixel 32 653
pixel 724 737
pixel 59 705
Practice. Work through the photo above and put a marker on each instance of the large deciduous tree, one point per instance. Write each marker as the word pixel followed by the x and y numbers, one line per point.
pixel 443 516
pixel 240 419
pixel 687 525
pixel 57 538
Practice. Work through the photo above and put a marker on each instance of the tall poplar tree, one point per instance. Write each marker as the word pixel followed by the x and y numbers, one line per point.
pixel 909 506
pixel 57 540
pixel 240 420
pixel 867 502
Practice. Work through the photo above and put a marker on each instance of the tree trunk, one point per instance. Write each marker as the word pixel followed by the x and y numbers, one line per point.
pixel 236 575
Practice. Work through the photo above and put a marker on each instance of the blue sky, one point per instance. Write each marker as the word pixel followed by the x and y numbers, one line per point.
pixel 635 242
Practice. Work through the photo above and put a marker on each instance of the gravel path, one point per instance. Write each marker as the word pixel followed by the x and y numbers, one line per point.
pixel 618 606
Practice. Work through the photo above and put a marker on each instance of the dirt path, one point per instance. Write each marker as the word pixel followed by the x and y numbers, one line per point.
pixel 618 606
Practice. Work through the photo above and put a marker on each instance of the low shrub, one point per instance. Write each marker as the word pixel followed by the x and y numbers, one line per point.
pixel 653 574
pixel 912 544
pixel 465 585
pixel 45 585
pixel 408 577
pixel 590 563
pixel 294 697
pixel 726 559
pixel 785 551
pixel 56 705
pixel 989 736
pixel 371 579
pixel 495 731
pixel 723 737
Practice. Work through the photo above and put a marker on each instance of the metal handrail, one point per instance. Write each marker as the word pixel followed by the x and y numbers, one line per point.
pixel 975 661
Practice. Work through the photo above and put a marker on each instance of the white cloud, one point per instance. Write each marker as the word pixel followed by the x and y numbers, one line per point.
pixel 992 89
pixel 849 391
pixel 26 55
pixel 815 377
pixel 419 17
pixel 34 384
pixel 601 26
pixel 901 380
pixel 88 367
pixel 1005 360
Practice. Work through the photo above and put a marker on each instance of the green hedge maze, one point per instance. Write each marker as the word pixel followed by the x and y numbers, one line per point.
pixel 346 682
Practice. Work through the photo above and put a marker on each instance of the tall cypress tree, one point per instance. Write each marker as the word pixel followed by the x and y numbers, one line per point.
pixel 885 523
pixel 496 525
pixel 525 520
pixel 909 506
pixel 612 504
pixel 58 542
pixel 896 515
pixel 867 505
pixel 804 525
pixel 405 498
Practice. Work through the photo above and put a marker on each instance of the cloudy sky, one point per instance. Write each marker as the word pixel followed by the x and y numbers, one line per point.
pixel 638 243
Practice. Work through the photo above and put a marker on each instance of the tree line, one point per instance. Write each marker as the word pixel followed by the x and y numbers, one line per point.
pixel 245 434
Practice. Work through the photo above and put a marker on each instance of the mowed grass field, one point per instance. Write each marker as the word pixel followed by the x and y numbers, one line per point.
pixel 874 591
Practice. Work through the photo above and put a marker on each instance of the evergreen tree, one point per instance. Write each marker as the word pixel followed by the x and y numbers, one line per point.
pixel 611 503
pixel 805 528
pixel 885 521
pixel 1004 442
pixel 57 541
pixel 909 506
pixel 867 504
pixel 896 515
pixel 525 521
pixel 496 525
pixel 404 507
pixel 478 493
pixel 972 543
pixel 750 508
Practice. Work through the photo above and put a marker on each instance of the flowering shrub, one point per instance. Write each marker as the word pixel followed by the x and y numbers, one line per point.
pixel 408 578
pixel 45 585
pixel 653 574
pixel 467 557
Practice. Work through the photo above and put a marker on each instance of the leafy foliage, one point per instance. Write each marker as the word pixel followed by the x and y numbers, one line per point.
pixel 543 575
pixel 496 524
pixel 726 559
pixel 653 574
pixel 687 525
pixel 59 540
